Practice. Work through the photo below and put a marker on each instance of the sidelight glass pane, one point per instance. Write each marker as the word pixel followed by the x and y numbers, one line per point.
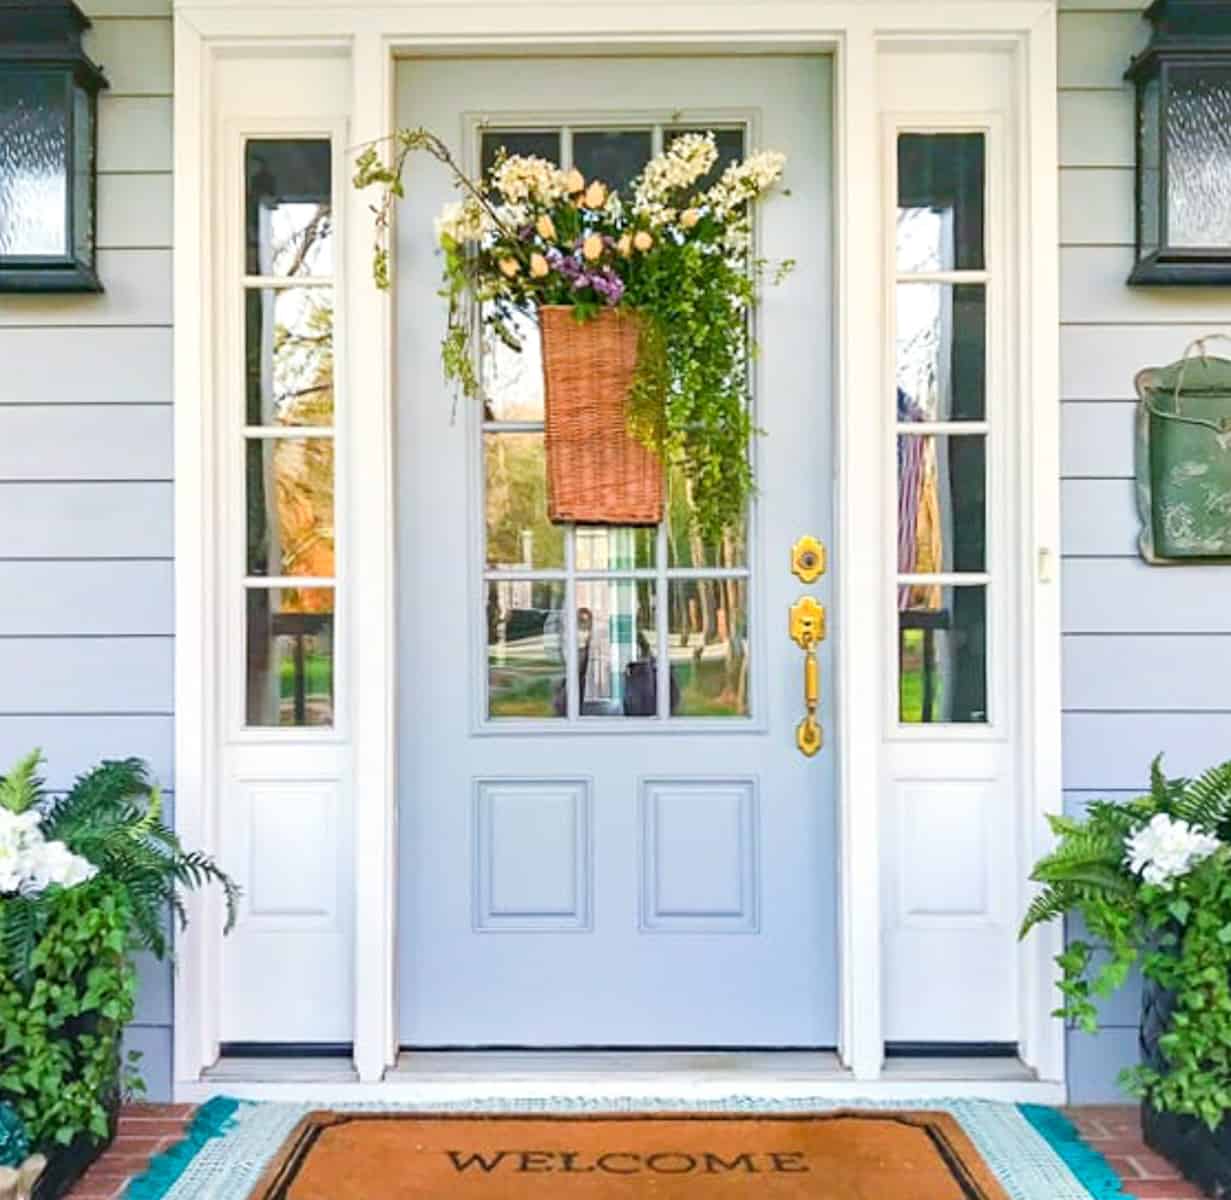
pixel 941 352
pixel 290 656
pixel 685 546
pixel 33 163
pixel 526 662
pixel 617 643
pixel 288 213
pixel 942 507
pixel 940 202
pixel 290 506
pixel 512 375
pixel 533 143
pixel 288 336
pixel 614 156
pixel 942 655
pixel 519 533
pixel 1199 157
pixel 616 547
pixel 709 648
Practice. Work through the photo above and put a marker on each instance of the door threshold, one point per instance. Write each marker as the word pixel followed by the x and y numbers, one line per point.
pixel 645 1080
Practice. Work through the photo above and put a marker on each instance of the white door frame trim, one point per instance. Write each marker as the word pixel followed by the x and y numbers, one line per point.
pixel 373 34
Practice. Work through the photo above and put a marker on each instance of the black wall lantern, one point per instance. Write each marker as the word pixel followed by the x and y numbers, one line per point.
pixel 1183 81
pixel 48 131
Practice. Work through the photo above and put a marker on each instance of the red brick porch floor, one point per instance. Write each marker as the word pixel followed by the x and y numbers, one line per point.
pixel 145 1129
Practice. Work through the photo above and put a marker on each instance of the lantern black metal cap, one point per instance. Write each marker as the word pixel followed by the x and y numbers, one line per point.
pixel 47 31
pixel 1184 27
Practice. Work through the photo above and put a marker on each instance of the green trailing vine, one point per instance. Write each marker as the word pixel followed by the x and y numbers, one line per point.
pixel 1151 880
pixel 676 252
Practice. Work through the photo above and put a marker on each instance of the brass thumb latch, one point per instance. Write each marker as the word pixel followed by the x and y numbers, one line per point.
pixel 807 629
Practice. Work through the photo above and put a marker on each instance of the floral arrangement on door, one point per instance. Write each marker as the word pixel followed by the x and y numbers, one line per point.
pixel 643 304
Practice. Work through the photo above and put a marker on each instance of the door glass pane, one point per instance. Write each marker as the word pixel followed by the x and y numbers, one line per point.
pixel 33 162
pixel 685 546
pixel 525 649
pixel 512 377
pixel 709 648
pixel 616 648
pixel 615 548
pixel 288 217
pixel 290 506
pixel 941 352
pixel 940 202
pixel 290 657
pixel 942 655
pixel 942 524
pixel 289 353
pixel 532 143
pixel 519 533
pixel 1199 157
pixel 614 156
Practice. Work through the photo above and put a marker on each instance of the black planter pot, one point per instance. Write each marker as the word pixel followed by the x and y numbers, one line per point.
pixel 1202 1154
pixel 70 1163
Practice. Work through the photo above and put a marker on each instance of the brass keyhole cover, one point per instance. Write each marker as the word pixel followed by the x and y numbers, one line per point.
pixel 808 559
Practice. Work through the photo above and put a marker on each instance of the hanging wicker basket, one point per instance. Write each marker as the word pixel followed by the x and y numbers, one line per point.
pixel 597 472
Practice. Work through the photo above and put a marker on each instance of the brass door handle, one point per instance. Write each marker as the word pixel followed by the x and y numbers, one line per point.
pixel 807 629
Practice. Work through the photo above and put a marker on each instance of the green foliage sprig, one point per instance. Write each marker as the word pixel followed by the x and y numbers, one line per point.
pixel 1178 931
pixel 62 1019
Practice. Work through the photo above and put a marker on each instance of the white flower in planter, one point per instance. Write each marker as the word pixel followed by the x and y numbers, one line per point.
pixel 1166 848
pixel 29 864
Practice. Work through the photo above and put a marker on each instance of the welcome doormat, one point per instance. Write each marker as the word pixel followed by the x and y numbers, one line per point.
pixel 952 1150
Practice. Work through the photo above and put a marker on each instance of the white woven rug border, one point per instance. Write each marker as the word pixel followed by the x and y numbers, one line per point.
pixel 227 1167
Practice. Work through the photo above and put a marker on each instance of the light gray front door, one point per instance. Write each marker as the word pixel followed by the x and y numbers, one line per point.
pixel 636 874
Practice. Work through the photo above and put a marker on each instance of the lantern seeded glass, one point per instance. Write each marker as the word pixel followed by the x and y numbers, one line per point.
pixel 1183 84
pixel 48 107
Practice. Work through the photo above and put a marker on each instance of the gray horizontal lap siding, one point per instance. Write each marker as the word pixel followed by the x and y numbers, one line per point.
pixel 86 507
pixel 1146 650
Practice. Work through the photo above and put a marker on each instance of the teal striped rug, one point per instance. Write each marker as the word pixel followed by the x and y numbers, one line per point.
pixel 1034 1151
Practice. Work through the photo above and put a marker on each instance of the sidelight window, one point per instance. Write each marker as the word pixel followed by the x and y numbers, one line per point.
pixel 579 619
pixel 290 577
pixel 942 428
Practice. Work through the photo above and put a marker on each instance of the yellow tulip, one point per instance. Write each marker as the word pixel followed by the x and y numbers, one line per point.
pixel 642 240
pixel 689 217
pixel 538 266
pixel 546 228
pixel 509 267
pixel 624 246
pixel 596 195
pixel 574 182
pixel 592 248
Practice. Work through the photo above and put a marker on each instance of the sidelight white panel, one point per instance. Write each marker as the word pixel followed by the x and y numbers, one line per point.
pixel 292 853
pixel 943 852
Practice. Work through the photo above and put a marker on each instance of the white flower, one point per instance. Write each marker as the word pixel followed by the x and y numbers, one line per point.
pixel 463 221
pixel 520 178
pixel 745 181
pixel 685 161
pixel 29 864
pixel 1163 850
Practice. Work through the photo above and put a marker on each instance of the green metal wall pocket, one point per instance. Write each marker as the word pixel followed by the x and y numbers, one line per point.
pixel 1184 458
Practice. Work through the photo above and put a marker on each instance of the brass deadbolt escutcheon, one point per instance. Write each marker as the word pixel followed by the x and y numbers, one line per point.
pixel 807 624
pixel 808 559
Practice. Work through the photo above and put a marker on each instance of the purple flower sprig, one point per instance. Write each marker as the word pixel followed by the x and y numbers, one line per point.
pixel 603 281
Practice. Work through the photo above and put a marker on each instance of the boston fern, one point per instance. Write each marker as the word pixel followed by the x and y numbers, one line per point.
pixel 1150 879
pixel 111 818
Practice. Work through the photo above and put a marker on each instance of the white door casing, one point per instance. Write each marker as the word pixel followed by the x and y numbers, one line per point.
pixel 365 37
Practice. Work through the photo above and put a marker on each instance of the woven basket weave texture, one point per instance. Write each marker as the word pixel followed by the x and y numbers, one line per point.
pixel 597 472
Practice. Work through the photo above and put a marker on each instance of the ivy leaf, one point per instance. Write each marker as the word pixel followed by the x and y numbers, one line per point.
pixel 1180 910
